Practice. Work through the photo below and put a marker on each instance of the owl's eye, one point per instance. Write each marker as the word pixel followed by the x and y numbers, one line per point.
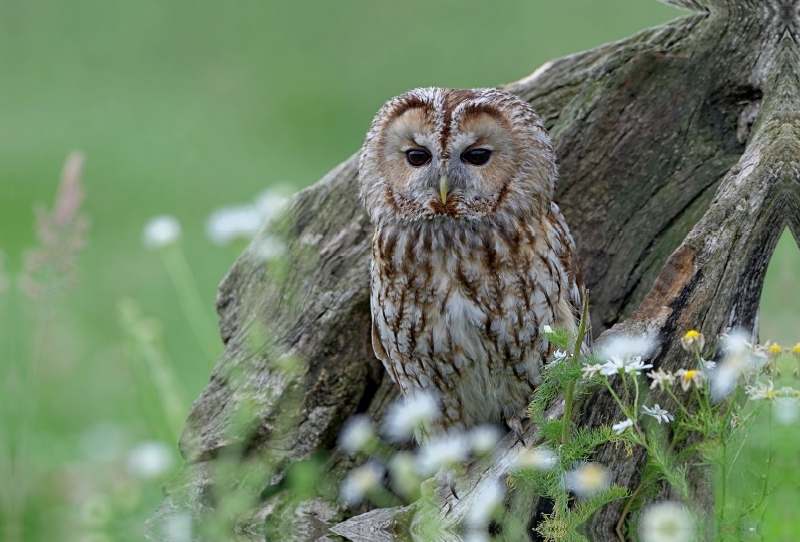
pixel 418 157
pixel 476 157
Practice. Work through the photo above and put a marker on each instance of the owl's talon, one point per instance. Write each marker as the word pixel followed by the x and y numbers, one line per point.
pixel 515 424
pixel 450 481
pixel 452 486
pixel 446 479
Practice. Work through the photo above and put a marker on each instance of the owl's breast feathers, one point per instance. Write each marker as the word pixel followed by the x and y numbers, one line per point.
pixel 457 307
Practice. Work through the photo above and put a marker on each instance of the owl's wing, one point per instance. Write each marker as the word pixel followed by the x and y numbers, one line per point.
pixel 569 259
pixel 377 345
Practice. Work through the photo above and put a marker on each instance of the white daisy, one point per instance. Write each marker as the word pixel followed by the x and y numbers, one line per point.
pixel 591 370
pixel 620 427
pixel 150 459
pixel 559 356
pixel 618 365
pixel 161 231
pixel 687 377
pixel 404 417
pixel 358 432
pixel 658 413
pixel 692 340
pixel 660 379
pixel 761 391
pixel 483 438
pixel 627 347
pixel 360 481
pixel 484 505
pixel 540 458
pixel 587 479
pixel 667 522
pixel 447 449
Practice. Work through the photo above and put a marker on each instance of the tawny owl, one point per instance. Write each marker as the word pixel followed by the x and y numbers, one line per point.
pixel 470 256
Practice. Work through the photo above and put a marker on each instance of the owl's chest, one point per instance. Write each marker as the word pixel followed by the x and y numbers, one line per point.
pixel 466 304
pixel 461 315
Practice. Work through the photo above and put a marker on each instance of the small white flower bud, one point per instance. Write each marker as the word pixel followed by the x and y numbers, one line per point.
pixel 161 231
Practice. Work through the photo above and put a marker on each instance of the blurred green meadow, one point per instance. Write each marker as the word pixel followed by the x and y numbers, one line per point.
pixel 181 108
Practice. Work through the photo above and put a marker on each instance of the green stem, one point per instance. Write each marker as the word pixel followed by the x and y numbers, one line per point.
pixel 156 370
pixel 625 388
pixel 641 438
pixel 698 397
pixel 677 437
pixel 739 450
pixel 764 477
pixel 627 510
pixel 677 402
pixel 724 483
pixel 570 392
pixel 699 359
pixel 616 397
pixel 14 502
pixel 188 298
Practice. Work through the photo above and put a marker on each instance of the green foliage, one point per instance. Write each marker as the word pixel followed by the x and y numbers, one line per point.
pixel 585 508
pixel 708 429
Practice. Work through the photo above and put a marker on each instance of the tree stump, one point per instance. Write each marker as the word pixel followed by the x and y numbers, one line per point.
pixel 677 150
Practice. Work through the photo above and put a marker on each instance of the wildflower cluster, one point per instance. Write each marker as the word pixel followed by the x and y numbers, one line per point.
pixel 704 399
pixel 681 419
pixel 389 474
pixel 623 360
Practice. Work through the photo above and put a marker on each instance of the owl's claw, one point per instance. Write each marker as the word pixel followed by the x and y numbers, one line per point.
pixel 450 479
pixel 515 424
pixel 451 484
pixel 445 478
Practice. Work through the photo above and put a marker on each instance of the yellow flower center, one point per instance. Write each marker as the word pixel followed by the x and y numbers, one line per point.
pixel 688 375
pixel 796 349
pixel 769 394
pixel 692 334
pixel 593 475
pixel 776 349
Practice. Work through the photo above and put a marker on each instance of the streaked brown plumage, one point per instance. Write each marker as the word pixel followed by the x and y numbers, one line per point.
pixel 470 256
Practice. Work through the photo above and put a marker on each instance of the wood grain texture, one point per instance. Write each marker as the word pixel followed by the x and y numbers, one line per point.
pixel 677 151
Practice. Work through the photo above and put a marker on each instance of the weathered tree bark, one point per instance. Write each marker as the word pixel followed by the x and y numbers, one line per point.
pixel 678 171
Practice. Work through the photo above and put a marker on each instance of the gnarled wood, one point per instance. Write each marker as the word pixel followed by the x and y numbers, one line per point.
pixel 677 162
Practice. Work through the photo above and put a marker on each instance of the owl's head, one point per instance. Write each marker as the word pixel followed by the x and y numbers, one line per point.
pixel 456 154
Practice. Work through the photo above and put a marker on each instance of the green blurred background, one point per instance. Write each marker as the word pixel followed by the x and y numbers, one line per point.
pixel 184 107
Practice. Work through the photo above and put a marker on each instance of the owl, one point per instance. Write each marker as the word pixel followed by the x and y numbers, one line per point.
pixel 470 256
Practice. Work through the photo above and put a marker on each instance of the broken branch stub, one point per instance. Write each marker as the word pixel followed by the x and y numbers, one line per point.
pixel 677 151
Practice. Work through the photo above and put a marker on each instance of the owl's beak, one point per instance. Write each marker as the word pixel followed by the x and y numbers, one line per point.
pixel 444 188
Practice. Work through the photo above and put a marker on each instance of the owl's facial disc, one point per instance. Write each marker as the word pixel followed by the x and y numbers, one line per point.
pixel 484 159
pixel 459 165
pixel 456 154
